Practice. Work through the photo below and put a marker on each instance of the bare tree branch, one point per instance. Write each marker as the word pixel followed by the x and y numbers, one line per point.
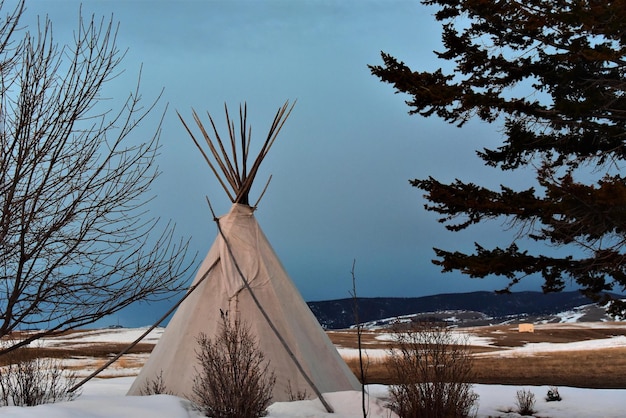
pixel 76 240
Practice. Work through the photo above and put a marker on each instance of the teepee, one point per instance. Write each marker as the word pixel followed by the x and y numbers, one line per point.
pixel 243 276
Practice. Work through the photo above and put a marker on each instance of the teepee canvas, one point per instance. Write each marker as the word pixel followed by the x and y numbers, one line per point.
pixel 243 276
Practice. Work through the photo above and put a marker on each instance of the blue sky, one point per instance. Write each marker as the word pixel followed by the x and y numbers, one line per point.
pixel 341 165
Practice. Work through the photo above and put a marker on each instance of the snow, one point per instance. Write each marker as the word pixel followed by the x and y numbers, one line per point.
pixel 470 338
pixel 495 400
pixel 120 335
pixel 530 349
pixel 369 353
pixel 106 398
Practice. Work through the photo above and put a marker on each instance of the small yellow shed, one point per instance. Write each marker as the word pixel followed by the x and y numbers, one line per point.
pixel 526 328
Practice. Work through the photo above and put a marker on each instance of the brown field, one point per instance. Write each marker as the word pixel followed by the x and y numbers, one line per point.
pixel 596 368
pixel 604 368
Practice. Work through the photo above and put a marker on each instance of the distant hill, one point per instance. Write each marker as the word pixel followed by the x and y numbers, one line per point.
pixel 487 306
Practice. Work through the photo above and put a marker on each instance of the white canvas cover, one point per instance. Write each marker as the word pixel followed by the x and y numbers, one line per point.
pixel 174 355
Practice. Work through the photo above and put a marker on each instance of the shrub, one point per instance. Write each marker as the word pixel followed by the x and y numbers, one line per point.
pixel 29 380
pixel 433 368
pixel 233 379
pixel 295 394
pixel 525 401
pixel 553 394
pixel 155 386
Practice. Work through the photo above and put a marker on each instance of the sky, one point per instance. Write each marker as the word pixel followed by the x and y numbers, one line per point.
pixel 341 166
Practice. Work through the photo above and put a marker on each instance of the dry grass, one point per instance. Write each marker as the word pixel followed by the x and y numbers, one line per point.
pixel 603 368
pixel 598 368
pixel 507 336
pixel 101 350
pixel 375 370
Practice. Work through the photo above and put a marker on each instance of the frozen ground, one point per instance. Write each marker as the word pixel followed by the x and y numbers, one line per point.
pixel 528 349
pixel 105 398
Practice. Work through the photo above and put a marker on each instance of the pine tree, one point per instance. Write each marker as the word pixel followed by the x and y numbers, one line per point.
pixel 553 73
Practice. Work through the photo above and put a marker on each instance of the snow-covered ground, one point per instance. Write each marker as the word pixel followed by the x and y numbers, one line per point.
pixel 118 335
pixel 529 349
pixel 105 398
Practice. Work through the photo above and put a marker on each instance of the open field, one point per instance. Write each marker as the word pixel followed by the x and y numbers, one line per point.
pixel 589 355
pixel 603 368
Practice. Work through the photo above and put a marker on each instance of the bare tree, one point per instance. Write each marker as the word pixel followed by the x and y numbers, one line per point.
pixel 76 241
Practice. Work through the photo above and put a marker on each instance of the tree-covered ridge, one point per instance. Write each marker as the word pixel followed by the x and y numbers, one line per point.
pixel 552 73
